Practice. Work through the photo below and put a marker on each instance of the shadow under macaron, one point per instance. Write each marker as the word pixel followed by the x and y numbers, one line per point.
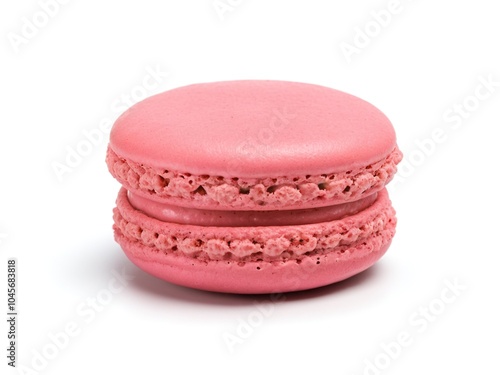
pixel 102 260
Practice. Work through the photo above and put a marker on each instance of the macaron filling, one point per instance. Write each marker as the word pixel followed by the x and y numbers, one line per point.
pixel 230 218
pixel 346 239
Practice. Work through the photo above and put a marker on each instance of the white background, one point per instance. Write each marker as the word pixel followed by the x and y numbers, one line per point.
pixel 76 71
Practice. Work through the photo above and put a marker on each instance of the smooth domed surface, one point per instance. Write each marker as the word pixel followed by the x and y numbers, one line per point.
pixel 251 129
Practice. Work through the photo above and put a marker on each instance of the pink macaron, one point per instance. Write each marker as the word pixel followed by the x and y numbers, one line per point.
pixel 253 186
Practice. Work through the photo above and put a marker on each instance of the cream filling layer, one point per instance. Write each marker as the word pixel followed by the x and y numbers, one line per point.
pixel 214 218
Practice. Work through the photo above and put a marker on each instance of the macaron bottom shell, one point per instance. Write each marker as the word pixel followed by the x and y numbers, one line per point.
pixel 256 260
pixel 256 277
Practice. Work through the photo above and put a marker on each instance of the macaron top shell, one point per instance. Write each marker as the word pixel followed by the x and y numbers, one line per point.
pixel 253 145
pixel 253 129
